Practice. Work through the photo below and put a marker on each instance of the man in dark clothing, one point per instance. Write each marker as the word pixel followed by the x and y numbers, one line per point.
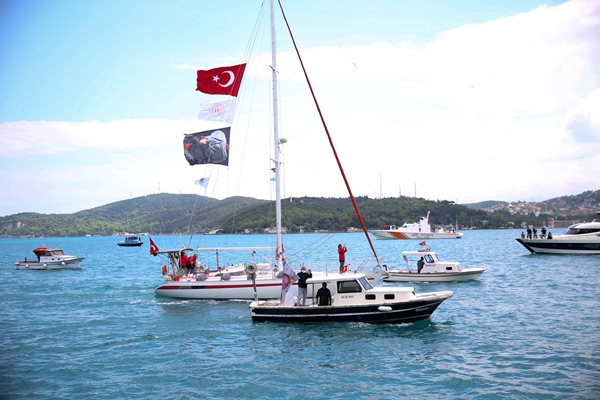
pixel 324 295
pixel 420 265
pixel 302 286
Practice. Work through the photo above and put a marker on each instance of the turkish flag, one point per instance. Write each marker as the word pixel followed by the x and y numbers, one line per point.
pixel 222 80
pixel 153 247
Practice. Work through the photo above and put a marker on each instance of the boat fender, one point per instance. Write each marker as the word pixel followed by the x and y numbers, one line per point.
pixel 385 308
pixel 226 276
pixel 168 278
pixel 250 268
pixel 200 277
pixel 164 270
pixel 176 278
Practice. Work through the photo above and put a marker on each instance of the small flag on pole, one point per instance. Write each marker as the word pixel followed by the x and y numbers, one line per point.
pixel 153 247
pixel 273 179
pixel 423 243
pixel 202 182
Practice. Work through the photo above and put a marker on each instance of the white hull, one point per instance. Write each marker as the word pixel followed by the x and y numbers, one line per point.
pixel 562 245
pixel 413 276
pixel 49 265
pixel 406 235
pixel 235 288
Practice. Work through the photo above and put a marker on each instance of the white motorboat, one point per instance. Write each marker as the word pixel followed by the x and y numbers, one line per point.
pixel 47 259
pixel 229 282
pixel 433 269
pixel 583 238
pixel 354 299
pixel 418 230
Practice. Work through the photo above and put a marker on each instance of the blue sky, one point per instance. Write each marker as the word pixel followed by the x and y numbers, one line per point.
pixel 469 100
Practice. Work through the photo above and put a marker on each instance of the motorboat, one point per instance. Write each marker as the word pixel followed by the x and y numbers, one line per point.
pixel 131 241
pixel 433 269
pixel 582 238
pixel 418 230
pixel 354 299
pixel 196 280
pixel 47 259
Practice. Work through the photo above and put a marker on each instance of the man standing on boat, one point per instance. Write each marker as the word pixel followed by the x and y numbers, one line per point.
pixel 324 295
pixel 342 256
pixel 420 265
pixel 302 286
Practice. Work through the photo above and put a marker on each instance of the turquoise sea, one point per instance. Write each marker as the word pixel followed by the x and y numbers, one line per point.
pixel 530 328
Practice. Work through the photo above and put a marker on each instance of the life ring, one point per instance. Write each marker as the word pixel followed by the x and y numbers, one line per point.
pixel 164 270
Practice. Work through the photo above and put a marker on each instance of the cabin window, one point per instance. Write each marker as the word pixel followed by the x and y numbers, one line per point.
pixel 349 287
pixel 370 297
pixel 448 268
pixel 389 296
pixel 429 259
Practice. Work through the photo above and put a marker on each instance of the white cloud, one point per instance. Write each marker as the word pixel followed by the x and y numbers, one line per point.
pixel 505 110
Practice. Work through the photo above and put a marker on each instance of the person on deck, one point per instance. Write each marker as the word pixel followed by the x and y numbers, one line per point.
pixel 420 265
pixel 302 286
pixel 324 295
pixel 342 256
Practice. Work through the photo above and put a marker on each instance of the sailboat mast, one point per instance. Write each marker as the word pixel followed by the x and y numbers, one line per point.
pixel 279 250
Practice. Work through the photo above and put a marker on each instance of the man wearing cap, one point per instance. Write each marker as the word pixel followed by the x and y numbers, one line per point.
pixel 302 286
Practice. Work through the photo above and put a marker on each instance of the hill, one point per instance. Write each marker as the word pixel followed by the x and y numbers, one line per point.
pixel 186 213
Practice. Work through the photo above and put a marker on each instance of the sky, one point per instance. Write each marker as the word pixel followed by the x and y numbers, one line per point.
pixel 464 101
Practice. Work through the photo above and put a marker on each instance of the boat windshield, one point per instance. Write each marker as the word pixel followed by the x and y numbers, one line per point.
pixel 575 231
pixel 365 283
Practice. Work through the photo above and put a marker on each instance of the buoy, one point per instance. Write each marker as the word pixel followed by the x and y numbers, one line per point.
pixel 385 308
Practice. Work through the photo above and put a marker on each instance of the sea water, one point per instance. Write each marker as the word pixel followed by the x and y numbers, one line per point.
pixel 529 328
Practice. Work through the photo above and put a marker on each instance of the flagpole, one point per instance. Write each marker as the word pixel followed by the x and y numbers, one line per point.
pixel 279 250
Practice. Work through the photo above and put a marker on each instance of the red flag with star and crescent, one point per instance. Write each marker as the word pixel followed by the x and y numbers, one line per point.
pixel 222 80
pixel 153 247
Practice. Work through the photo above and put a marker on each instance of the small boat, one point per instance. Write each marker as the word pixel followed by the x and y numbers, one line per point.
pixel 47 259
pixel 354 299
pixel 131 241
pixel 582 238
pixel 433 269
pixel 418 230
pixel 197 281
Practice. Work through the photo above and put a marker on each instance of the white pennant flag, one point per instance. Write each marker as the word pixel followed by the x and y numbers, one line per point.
pixel 217 110
pixel 202 182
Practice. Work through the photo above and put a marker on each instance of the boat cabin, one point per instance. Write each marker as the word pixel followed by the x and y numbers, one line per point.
pixel 358 290
pixel 46 252
pixel 432 265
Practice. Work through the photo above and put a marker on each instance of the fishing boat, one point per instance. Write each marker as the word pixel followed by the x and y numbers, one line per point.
pixel 49 259
pixel 131 241
pixel 418 230
pixel 353 299
pixel 582 238
pixel 432 269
